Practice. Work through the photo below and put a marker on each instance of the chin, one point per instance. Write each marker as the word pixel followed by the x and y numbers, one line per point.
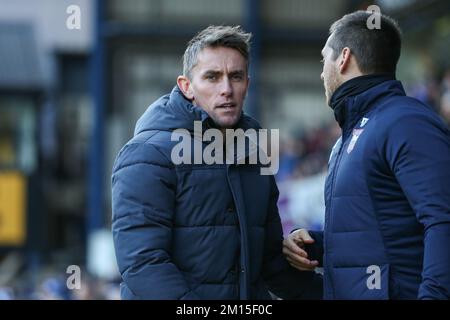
pixel 227 122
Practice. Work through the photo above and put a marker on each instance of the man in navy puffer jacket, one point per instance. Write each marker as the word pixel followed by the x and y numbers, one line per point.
pixel 387 194
pixel 200 231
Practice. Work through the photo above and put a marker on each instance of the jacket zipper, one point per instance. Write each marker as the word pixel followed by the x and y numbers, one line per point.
pixel 328 215
pixel 243 275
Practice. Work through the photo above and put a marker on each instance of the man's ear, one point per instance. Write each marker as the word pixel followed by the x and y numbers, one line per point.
pixel 184 84
pixel 344 59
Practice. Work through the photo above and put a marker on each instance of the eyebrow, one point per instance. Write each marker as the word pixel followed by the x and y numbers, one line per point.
pixel 216 72
pixel 211 72
pixel 237 73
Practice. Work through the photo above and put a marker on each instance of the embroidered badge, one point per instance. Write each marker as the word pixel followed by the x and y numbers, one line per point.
pixel 363 122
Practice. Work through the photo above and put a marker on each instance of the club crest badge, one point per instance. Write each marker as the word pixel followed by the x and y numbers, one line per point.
pixel 363 122
pixel 355 135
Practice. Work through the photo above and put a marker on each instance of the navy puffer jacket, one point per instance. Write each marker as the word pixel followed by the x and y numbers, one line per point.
pixel 387 224
pixel 196 231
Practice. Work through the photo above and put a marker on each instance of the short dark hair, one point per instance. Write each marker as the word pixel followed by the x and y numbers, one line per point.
pixel 216 36
pixel 375 50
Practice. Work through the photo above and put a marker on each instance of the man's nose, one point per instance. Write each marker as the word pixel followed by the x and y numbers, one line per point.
pixel 225 87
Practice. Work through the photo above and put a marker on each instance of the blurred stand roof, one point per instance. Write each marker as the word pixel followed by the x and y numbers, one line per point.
pixel 19 64
pixel 415 14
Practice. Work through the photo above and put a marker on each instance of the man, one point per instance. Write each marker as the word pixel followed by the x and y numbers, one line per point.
pixel 387 194
pixel 200 231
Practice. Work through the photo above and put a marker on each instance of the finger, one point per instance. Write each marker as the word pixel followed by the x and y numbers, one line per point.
pixel 305 236
pixel 299 242
pixel 301 261
pixel 301 237
pixel 294 244
pixel 300 267
pixel 315 263
pixel 292 248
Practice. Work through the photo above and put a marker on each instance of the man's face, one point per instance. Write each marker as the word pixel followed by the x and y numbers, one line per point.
pixel 219 83
pixel 330 73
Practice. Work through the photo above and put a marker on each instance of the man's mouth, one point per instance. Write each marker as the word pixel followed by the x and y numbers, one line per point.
pixel 226 106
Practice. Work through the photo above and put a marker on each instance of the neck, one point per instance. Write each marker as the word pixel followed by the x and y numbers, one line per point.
pixel 351 75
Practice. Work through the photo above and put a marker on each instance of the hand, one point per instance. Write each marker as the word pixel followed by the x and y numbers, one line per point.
pixel 294 250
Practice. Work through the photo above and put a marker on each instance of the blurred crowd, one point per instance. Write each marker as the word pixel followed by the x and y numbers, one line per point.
pixel 54 287
pixel 306 154
pixel 19 281
pixel 436 93
pixel 303 166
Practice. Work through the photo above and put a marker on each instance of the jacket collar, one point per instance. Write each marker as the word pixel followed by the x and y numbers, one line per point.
pixel 356 96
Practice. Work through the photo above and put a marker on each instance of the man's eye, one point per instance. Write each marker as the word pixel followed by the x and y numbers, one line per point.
pixel 237 77
pixel 322 61
pixel 211 77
